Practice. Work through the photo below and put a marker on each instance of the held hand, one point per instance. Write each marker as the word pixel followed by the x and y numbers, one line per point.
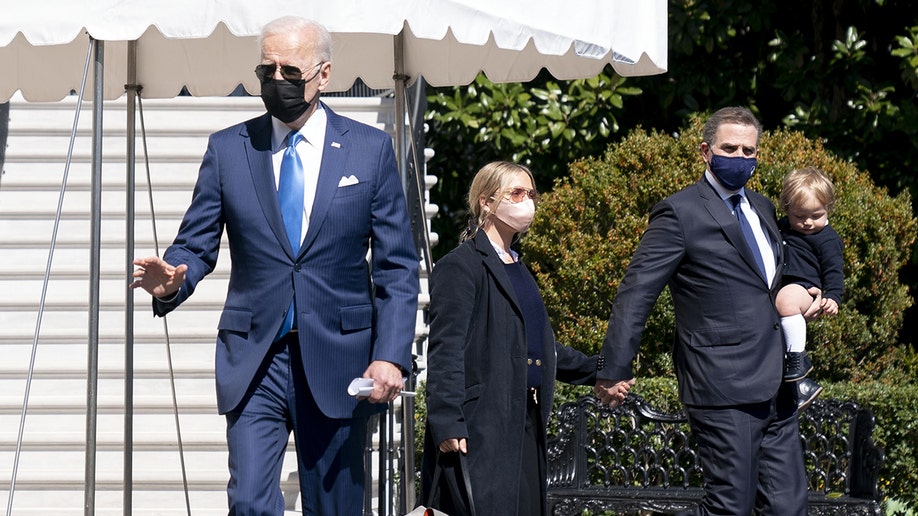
pixel 612 392
pixel 815 309
pixel 453 445
pixel 829 306
pixel 387 381
pixel 157 277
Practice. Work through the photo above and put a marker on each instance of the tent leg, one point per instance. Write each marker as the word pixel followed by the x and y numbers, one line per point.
pixel 92 379
pixel 133 90
pixel 410 158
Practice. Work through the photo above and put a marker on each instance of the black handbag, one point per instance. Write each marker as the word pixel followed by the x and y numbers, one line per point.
pixel 429 509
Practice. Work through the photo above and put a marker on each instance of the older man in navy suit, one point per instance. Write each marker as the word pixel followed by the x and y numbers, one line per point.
pixel 323 286
pixel 729 348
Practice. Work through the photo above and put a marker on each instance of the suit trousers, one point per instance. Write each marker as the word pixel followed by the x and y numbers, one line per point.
pixel 752 457
pixel 330 460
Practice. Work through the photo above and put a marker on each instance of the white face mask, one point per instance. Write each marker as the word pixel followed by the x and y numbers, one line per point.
pixel 517 215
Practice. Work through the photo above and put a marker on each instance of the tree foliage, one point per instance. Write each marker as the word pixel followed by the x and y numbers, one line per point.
pixel 844 72
pixel 542 124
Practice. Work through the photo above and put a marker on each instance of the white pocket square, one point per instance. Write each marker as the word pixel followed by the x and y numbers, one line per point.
pixel 348 181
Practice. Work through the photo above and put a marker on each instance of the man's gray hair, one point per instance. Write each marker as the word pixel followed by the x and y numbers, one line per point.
pixel 299 24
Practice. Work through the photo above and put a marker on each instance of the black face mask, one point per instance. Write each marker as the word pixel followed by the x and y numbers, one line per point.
pixel 284 99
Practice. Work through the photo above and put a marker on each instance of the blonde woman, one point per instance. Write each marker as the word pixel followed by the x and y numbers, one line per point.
pixel 492 361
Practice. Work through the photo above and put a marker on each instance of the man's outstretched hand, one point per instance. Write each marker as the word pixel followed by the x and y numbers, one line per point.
pixel 157 277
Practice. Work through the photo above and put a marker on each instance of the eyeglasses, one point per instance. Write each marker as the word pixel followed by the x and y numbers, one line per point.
pixel 265 72
pixel 518 194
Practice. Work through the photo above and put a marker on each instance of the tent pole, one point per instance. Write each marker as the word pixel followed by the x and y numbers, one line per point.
pixel 92 379
pixel 133 90
pixel 400 79
pixel 407 486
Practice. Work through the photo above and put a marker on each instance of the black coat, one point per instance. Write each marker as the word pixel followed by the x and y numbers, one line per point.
pixel 476 384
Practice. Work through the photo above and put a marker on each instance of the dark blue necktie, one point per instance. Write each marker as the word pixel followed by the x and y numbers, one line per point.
pixel 748 234
pixel 290 194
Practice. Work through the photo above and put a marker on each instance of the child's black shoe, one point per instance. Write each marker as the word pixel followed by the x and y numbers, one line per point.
pixel 796 366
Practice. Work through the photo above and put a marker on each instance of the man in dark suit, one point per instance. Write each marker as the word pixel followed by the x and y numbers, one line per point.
pixel 729 348
pixel 350 314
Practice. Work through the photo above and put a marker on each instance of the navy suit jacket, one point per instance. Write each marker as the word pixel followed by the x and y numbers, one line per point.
pixel 729 348
pixel 351 309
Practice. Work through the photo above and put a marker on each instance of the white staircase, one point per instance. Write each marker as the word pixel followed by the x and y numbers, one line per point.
pixel 50 476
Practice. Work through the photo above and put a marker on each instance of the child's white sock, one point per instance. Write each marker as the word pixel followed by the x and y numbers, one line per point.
pixel 794 327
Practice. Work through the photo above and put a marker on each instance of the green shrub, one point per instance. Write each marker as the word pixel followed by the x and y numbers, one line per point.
pixel 896 409
pixel 420 430
pixel 589 225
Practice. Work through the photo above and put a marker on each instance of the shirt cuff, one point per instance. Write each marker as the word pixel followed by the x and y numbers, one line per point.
pixel 171 298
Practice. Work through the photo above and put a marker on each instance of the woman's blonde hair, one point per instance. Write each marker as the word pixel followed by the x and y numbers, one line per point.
pixel 804 182
pixel 491 180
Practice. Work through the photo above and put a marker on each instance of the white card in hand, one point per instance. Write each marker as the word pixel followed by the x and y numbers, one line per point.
pixel 364 387
pixel 360 387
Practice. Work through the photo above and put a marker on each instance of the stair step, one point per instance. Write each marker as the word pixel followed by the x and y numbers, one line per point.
pixel 58 359
pixel 205 500
pixel 191 316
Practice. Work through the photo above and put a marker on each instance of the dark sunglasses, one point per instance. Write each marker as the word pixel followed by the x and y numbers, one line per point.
pixel 518 194
pixel 265 72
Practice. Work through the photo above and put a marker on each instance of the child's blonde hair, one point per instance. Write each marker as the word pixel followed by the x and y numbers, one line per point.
pixel 800 183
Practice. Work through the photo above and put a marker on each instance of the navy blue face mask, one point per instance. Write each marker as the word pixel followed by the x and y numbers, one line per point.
pixel 732 172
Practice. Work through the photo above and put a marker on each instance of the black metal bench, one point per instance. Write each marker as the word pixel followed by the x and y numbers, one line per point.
pixel 634 459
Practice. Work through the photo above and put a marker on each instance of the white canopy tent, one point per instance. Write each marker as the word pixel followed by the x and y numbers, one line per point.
pixel 210 47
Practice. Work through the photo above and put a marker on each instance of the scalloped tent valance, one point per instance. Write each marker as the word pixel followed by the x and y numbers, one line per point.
pixel 210 46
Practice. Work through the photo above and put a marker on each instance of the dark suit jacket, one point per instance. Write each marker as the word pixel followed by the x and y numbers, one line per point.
pixel 476 385
pixel 350 311
pixel 729 347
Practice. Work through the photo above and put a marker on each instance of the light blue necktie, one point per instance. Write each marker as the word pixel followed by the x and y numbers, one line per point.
pixel 290 195
pixel 748 234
